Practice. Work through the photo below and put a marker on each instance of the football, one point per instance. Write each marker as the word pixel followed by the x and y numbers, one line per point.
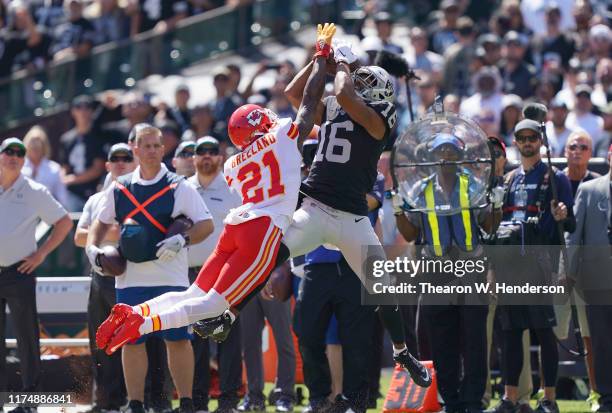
pixel 111 261
pixel 281 283
pixel 179 226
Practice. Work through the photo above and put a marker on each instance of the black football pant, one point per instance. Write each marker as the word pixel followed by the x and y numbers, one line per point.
pixel 328 289
pixel 108 372
pixel 457 334
pixel 19 292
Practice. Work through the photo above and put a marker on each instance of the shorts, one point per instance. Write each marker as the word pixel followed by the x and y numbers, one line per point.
pixel 137 295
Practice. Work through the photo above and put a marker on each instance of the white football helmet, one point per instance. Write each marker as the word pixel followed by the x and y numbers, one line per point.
pixel 373 83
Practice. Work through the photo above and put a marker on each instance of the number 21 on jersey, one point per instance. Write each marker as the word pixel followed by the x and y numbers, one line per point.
pixel 250 176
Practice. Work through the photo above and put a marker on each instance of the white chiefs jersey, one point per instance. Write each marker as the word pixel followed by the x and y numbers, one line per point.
pixel 267 176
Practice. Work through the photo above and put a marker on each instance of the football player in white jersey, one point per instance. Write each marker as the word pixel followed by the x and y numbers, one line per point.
pixel 267 174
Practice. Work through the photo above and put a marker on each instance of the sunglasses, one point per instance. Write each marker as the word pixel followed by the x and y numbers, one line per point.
pixel 533 138
pixel 575 146
pixel 126 159
pixel 20 153
pixel 185 154
pixel 209 151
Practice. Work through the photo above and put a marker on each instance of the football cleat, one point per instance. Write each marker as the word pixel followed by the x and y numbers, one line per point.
pixel 126 333
pixel 217 328
pixel 419 373
pixel 105 332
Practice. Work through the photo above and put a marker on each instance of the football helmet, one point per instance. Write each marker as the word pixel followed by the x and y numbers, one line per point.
pixel 373 83
pixel 248 123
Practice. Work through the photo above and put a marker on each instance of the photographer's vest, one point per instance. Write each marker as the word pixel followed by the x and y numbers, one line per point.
pixel 144 213
pixel 442 231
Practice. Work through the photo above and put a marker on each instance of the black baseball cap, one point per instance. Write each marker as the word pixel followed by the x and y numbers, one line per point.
pixel 83 101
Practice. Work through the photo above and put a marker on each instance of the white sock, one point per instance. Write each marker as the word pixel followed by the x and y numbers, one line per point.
pixel 396 351
pixel 146 327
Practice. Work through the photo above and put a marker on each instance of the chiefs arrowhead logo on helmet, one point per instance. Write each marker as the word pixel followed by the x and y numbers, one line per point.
pixel 248 123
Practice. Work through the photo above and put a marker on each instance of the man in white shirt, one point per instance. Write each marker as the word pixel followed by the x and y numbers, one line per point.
pixel 145 203
pixel 110 388
pixel 582 117
pixel 23 203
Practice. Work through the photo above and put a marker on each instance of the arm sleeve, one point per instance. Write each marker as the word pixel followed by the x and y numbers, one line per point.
pixel 49 210
pixel 188 202
pixel 107 206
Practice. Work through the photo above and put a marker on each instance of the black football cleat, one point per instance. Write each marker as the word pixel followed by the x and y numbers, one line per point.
pixel 217 328
pixel 419 373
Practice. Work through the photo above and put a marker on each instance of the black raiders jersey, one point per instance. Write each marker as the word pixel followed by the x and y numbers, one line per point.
pixel 345 165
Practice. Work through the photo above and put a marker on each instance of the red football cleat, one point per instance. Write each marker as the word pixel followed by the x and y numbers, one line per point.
pixel 126 333
pixel 106 330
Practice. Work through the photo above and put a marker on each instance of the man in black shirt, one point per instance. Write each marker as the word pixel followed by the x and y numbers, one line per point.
pixel 76 37
pixel 519 76
pixel 81 154
pixel 161 15
pixel 13 43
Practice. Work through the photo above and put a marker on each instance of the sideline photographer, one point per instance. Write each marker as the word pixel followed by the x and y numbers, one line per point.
pixel 530 217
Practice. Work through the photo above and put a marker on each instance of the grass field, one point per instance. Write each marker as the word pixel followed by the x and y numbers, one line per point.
pixel 566 406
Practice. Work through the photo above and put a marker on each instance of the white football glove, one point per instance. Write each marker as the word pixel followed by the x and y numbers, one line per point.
pixel 497 196
pixel 343 52
pixel 398 203
pixel 170 247
pixel 92 254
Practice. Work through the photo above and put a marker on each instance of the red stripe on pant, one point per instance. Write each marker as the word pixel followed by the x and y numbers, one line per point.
pixel 242 260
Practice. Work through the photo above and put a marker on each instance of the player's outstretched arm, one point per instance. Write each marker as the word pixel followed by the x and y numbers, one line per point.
pixel 355 106
pixel 295 89
pixel 310 106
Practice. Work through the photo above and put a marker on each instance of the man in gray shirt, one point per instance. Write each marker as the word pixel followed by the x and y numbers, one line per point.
pixel 23 203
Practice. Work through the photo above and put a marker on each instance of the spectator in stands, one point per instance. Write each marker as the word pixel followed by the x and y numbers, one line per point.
pixel 491 43
pixel 76 37
pixel 36 55
pixel 518 76
pixel 578 150
pixel 606 140
pixel 40 168
pixel 583 12
pixel 211 186
pixel 225 102
pixel 443 34
pixel 452 103
pixel 203 121
pixel 422 59
pixel 234 77
pixel 183 159
pixel 49 14
pixel 427 92
pixel 264 306
pixel 582 117
pixel 457 59
pixel 81 154
pixel 512 9
pixel 171 138
pixel 535 14
pixel 108 373
pixel 384 29
pixel 556 129
pixel 13 43
pixel 180 112
pixel 600 41
pixel 25 203
pixel 570 81
pixel 602 92
pixel 555 43
pixel 487 99
pixel 512 105
pixel 135 108
pixel 113 24
pixel 158 15
pixel 278 100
